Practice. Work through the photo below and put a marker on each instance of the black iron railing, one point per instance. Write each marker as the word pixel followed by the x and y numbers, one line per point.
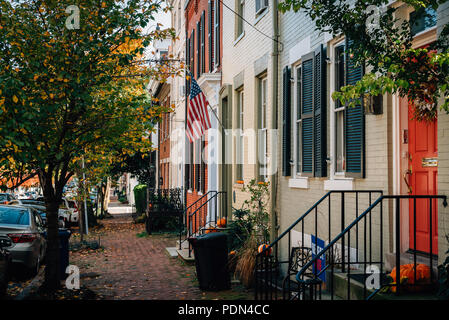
pixel 183 233
pixel 201 215
pixel 360 269
pixel 163 203
pixel 274 269
pixel 206 216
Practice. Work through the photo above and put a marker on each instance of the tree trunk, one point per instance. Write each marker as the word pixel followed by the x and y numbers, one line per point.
pixel 107 194
pixel 52 275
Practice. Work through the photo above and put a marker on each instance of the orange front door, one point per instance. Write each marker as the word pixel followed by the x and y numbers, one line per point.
pixel 422 177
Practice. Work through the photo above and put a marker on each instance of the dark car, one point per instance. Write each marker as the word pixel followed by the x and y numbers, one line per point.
pixel 5 198
pixel 5 264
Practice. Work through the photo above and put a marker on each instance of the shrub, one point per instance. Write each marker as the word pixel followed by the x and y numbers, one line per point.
pixel 140 197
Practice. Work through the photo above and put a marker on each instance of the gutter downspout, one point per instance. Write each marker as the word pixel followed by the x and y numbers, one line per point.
pixel 274 113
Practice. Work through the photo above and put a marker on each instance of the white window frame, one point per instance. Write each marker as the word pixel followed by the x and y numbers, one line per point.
pixel 263 104
pixel 240 9
pixel 239 150
pixel 297 121
pixel 337 180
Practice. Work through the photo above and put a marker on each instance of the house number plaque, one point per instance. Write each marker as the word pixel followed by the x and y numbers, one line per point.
pixel 429 162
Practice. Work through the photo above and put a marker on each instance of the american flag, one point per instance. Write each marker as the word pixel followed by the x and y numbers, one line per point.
pixel 198 120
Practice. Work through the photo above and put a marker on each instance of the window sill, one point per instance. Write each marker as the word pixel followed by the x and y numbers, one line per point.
pixel 237 40
pixel 339 184
pixel 299 183
pixel 260 15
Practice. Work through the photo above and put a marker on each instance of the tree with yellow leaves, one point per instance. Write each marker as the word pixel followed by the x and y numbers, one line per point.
pixel 66 92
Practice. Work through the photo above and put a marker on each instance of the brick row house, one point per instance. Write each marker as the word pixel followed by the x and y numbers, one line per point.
pixel 203 59
pixel 327 164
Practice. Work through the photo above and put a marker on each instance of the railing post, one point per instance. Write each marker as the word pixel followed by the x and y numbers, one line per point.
pixel 398 245
pixel 342 229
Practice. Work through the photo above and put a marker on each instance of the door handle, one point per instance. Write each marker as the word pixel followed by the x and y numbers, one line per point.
pixel 407 173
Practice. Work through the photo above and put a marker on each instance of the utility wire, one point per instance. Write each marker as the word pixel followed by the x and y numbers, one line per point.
pixel 251 25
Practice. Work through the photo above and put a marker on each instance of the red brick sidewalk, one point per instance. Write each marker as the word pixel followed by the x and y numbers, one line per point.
pixel 132 267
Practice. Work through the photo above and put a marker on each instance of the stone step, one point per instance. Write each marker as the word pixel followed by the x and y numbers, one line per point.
pixel 407 258
pixel 172 251
pixel 184 255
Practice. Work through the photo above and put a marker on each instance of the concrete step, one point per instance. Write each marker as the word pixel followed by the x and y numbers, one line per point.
pixel 172 251
pixel 184 255
pixel 184 244
pixel 357 291
pixel 407 258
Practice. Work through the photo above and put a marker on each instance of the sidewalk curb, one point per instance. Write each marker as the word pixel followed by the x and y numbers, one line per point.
pixel 35 283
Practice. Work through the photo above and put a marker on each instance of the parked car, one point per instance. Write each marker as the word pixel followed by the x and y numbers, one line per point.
pixel 5 198
pixel 5 264
pixel 25 228
pixel 63 214
pixel 69 204
pixel 40 208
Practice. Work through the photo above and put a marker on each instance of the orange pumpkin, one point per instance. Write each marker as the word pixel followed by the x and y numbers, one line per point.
pixel 221 223
pixel 407 275
pixel 211 229
pixel 263 247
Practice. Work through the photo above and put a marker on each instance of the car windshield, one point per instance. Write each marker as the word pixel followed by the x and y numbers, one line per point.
pixel 3 197
pixel 14 216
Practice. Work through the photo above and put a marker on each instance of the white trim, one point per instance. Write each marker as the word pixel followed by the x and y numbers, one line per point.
pixel 339 184
pixel 240 37
pixel 332 117
pixel 396 146
pixel 299 182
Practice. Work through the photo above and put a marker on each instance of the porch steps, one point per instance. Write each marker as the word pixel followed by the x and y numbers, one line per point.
pixel 183 254
pixel 357 288
pixel 172 251
pixel 407 258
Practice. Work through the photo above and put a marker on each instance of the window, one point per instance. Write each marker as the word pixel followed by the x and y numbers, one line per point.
pixel 190 167
pixel 310 151
pixel 203 37
pixel 217 33
pixel 210 35
pixel 198 49
pixel 348 136
pixel 298 85
pixel 261 5
pixel 340 67
pixel 263 130
pixel 239 152
pixel 240 9
pixel 422 20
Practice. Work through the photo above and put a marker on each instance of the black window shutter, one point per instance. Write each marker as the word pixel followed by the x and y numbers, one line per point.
pixel 203 44
pixel 307 114
pixel 192 52
pixel 320 134
pixel 210 28
pixel 188 64
pixel 198 49
pixel 286 123
pixel 354 123
pixel 217 32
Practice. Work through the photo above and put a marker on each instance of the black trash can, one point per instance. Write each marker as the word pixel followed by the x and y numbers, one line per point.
pixel 64 235
pixel 211 260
